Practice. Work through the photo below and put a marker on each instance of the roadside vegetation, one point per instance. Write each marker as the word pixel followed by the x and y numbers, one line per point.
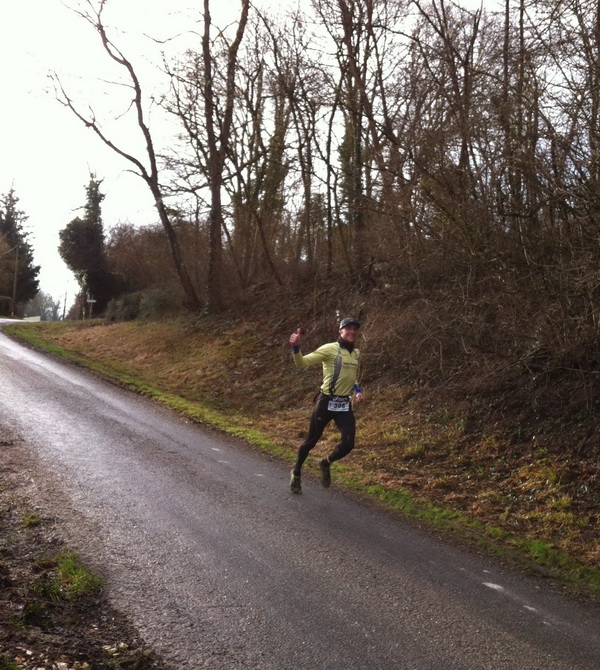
pixel 53 611
pixel 483 464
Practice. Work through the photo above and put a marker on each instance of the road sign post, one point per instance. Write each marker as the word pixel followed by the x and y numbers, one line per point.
pixel 90 302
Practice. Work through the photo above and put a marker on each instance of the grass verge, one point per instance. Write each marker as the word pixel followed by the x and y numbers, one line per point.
pixel 53 611
pixel 66 578
pixel 7 663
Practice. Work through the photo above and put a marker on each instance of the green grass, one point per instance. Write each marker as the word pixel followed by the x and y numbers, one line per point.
pixel 7 663
pixel 67 578
pixel 31 520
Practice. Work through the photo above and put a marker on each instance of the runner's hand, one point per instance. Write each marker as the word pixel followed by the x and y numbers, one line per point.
pixel 358 398
pixel 296 338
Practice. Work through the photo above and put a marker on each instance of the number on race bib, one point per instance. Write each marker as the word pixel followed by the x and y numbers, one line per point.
pixel 339 403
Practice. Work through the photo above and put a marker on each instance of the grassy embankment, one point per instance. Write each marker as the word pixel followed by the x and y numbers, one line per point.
pixel 429 457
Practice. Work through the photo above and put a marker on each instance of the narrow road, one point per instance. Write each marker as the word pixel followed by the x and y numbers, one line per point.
pixel 222 568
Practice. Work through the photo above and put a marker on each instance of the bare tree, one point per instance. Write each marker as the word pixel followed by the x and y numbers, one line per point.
pixel 203 97
pixel 259 163
pixel 300 85
pixel 369 52
pixel 218 131
pixel 150 172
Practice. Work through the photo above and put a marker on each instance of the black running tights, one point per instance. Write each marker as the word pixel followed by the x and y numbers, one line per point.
pixel 321 416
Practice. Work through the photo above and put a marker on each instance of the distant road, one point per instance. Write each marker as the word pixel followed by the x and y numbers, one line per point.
pixel 221 567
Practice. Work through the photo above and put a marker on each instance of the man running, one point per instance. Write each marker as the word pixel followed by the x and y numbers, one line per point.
pixel 340 369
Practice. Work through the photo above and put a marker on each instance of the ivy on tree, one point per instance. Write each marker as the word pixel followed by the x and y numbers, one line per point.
pixel 83 249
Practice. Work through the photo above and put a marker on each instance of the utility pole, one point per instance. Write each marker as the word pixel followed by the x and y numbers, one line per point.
pixel 14 295
pixel 65 304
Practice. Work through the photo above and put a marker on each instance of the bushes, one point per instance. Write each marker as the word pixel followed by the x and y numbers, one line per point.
pixel 150 304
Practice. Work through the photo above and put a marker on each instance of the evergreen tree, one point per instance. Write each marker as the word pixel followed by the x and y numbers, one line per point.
pixel 18 275
pixel 82 247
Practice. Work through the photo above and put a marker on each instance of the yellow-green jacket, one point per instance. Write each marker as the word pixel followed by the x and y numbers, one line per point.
pixel 340 367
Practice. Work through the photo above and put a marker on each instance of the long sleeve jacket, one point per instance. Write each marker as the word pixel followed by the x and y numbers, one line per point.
pixel 340 367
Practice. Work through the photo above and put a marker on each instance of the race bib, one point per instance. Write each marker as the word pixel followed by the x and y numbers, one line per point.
pixel 339 403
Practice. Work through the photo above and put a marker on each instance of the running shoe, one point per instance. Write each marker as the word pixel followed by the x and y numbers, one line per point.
pixel 295 483
pixel 325 473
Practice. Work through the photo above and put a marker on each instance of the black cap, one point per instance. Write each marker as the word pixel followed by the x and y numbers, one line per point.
pixel 348 322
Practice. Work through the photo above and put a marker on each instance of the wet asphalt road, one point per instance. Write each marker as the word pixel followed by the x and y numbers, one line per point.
pixel 221 567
